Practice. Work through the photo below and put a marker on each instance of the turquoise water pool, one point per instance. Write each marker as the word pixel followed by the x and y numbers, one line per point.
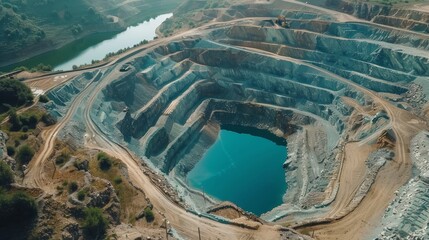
pixel 244 169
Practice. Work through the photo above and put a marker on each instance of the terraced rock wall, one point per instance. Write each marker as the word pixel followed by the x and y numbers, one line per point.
pixel 383 14
pixel 303 84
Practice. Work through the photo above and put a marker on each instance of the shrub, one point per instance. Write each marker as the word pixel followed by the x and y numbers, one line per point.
pixel 6 175
pixel 94 224
pixel 43 98
pixel 104 161
pixel 14 120
pixel 73 187
pixel 23 205
pixel 48 119
pixel 42 67
pixel 81 195
pixel 101 155
pixel 24 154
pixel 32 121
pixel 10 151
pixel 117 180
pixel 17 208
pixel 25 128
pixel 62 158
pixel 149 214
pixel 23 137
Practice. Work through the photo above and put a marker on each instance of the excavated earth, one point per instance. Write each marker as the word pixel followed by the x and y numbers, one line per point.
pixel 347 91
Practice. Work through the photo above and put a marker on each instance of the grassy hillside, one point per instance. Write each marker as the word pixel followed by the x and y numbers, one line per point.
pixel 191 14
pixel 30 27
pixel 17 30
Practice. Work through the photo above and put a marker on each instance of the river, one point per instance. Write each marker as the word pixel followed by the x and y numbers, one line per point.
pixel 94 47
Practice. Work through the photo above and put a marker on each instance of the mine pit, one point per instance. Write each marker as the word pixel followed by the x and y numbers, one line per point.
pixel 318 126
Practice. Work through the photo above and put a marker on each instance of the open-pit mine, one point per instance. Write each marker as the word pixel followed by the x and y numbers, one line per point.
pixel 275 119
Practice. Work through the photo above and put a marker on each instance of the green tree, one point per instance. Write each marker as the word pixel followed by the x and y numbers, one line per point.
pixel 104 161
pixel 149 214
pixel 14 92
pixel 6 175
pixel 81 195
pixel 48 119
pixel 94 224
pixel 117 180
pixel 24 154
pixel 23 206
pixel 14 120
pixel 73 187
pixel 32 121
pixel 62 158
pixel 15 208
pixel 25 128
pixel 43 98
pixel 10 151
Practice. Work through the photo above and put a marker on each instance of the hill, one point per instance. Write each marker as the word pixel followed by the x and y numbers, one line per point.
pixel 33 27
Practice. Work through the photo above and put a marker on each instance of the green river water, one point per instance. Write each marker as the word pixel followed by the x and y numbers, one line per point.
pixel 94 47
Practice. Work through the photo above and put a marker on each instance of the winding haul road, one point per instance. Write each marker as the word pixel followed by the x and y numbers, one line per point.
pixel 336 223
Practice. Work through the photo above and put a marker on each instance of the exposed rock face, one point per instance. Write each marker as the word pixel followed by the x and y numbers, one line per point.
pixel 71 232
pixel 3 151
pixel 82 165
pixel 63 95
pixel 108 200
pixel 387 15
pixel 100 199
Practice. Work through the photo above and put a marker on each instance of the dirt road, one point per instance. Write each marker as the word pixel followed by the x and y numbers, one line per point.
pixel 34 175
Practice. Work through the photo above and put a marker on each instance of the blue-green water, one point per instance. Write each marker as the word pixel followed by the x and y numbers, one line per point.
pixel 243 169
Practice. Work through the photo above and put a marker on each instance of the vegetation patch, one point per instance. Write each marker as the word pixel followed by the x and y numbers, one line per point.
pixel 82 194
pixel 191 14
pixel 43 98
pixel 104 161
pixel 73 187
pixel 124 190
pixel 13 93
pixel 62 158
pixel 6 175
pixel 18 207
pixel 94 223
pixel 25 154
pixel 10 151
pixel 148 214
